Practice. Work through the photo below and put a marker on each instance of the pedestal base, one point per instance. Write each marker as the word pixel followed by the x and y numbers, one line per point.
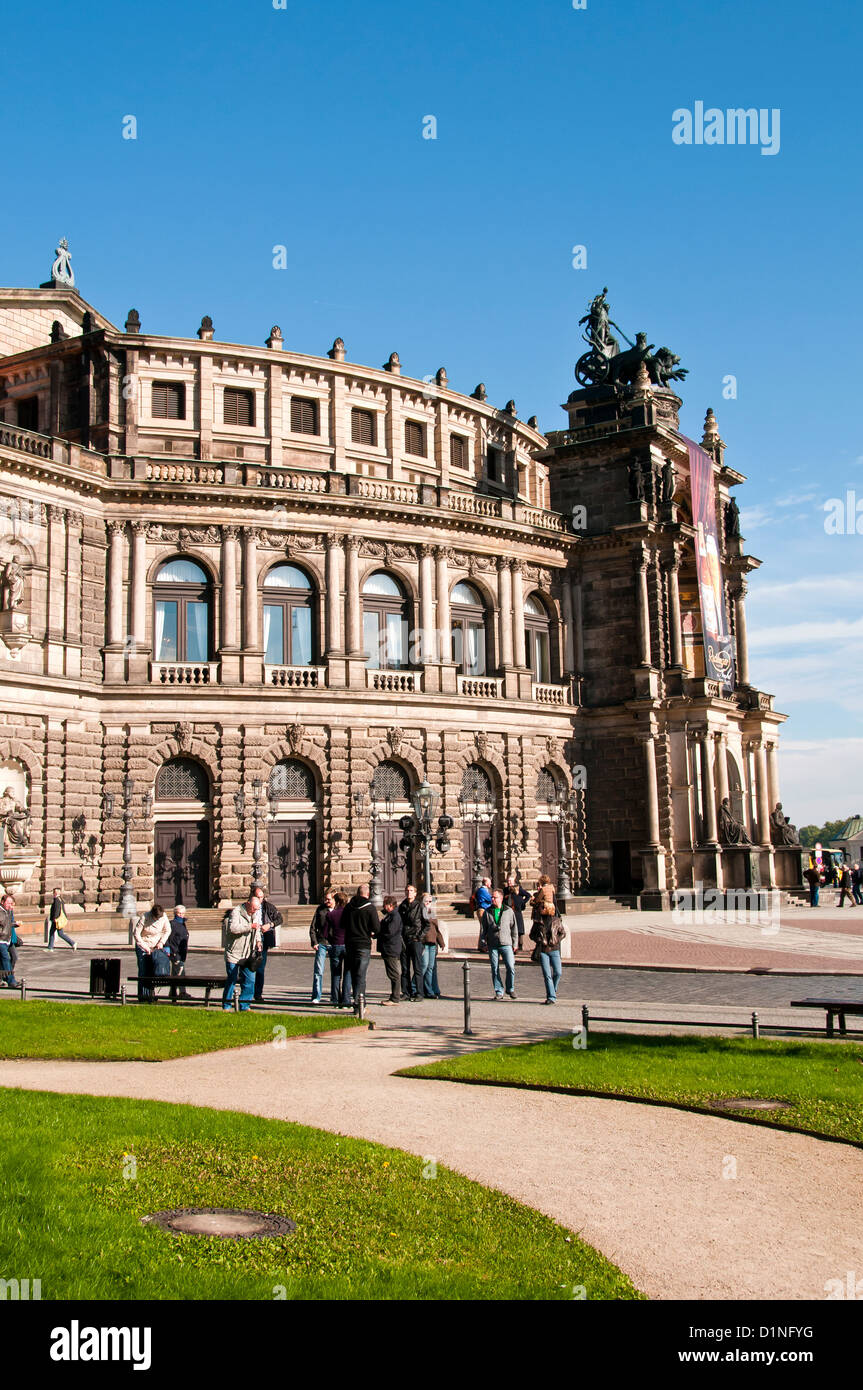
pixel 14 629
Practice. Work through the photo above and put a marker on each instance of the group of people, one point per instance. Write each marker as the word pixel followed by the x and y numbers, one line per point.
pixel 848 879
pixel 161 944
pixel 408 937
pixel 500 913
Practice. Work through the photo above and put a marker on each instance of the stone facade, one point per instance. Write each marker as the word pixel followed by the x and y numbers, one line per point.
pixel 134 457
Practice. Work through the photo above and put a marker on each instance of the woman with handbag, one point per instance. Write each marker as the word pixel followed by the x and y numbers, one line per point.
pixel 57 922
pixel 548 932
pixel 432 941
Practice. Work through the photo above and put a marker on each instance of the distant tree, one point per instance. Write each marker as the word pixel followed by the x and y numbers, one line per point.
pixel 810 835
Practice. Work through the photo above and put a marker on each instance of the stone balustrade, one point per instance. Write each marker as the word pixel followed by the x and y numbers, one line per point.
pixel 395 682
pixel 480 687
pixel 184 673
pixel 295 677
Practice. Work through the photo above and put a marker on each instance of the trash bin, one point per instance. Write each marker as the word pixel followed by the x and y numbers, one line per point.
pixel 105 977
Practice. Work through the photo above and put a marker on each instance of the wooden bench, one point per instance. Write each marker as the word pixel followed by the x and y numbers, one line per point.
pixel 181 982
pixel 839 1007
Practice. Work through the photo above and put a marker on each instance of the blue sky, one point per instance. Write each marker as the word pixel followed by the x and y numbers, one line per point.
pixel 302 127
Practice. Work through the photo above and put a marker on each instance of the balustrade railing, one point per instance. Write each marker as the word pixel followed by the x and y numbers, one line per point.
pixel 480 687
pixel 184 673
pixel 395 682
pixel 294 677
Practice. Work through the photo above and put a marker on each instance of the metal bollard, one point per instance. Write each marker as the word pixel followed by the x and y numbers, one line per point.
pixel 23 989
pixel 122 994
pixel 361 1007
pixel 585 1020
pixel 755 1032
pixel 236 999
pixel 468 1031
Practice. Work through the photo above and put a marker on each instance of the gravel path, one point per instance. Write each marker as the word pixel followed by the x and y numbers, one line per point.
pixel 654 1189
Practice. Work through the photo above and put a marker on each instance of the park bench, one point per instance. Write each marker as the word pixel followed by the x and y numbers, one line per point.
pixel 180 982
pixel 832 1007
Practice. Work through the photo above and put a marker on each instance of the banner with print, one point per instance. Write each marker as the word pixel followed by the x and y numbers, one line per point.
pixel 718 643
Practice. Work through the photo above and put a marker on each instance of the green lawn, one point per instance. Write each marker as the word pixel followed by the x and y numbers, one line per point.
pixel 106 1033
pixel 79 1172
pixel 823 1081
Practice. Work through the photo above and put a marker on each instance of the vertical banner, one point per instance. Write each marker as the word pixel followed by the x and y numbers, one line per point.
pixel 718 651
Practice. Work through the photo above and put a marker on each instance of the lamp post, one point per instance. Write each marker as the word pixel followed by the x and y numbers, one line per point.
pixel 417 829
pixel 127 905
pixel 374 816
pixel 562 809
pixel 474 812
pixel 263 805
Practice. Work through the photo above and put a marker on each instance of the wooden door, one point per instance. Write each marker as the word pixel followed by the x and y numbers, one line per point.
pixel 549 851
pixel 292 863
pixel 181 868
pixel 486 854
pixel 396 865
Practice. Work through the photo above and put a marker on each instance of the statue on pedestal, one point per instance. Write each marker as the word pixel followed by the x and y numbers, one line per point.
pixel 11 586
pixel 14 820
pixel 731 830
pixel 782 832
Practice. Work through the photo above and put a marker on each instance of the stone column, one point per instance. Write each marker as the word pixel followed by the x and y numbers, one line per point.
pixel 643 606
pixel 229 589
pixel 761 791
pixel 740 634
pixel 428 645
pixel 651 793
pixel 568 629
pixel 250 589
pixel 578 618
pixel 721 767
pixel 772 776
pixel 505 612
pixel 334 595
pixel 708 789
pixel 116 547
pixel 444 620
pixel 352 597
pixel 518 655
pixel 671 565
pixel 139 584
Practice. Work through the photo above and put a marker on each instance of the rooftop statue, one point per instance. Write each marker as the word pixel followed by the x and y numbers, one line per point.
pixel 61 271
pixel 604 362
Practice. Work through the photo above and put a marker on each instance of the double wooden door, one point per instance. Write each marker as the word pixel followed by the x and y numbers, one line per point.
pixel 181 869
pixel 485 830
pixel 293 863
pixel 395 864
pixel 549 851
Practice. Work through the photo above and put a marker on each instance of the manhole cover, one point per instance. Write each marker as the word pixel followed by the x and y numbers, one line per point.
pixel 752 1103
pixel 221 1221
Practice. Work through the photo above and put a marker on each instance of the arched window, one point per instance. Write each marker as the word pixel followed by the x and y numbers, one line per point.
pixel 536 639
pixel 468 630
pixel 476 785
pixel 385 624
pixel 546 785
pixel 182 609
pixel 182 779
pixel 390 783
pixel 288 617
pixel 291 780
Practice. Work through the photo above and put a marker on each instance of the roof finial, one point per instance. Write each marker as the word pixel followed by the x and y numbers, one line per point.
pixel 61 271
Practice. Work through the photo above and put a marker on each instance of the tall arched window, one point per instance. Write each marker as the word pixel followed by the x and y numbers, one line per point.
pixel 390 782
pixel 288 617
pixel 537 639
pixel 476 785
pixel 182 612
pixel 182 779
pixel 385 624
pixel 546 786
pixel 468 630
pixel 291 780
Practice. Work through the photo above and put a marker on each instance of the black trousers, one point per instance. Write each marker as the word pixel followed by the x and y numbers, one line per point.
pixel 393 967
pixel 358 967
pixel 412 961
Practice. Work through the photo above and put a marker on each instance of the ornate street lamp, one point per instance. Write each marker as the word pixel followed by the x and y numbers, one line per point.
pixel 263 806
pixel 474 812
pixel 375 815
pixel 127 905
pixel 417 830
pixel 562 809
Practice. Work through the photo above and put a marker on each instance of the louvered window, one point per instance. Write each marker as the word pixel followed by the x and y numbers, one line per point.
pixel 304 416
pixel 475 784
pixel 415 438
pixel 390 783
pixel 546 787
pixel 182 780
pixel 291 780
pixel 364 427
pixel 458 451
pixel 239 407
pixel 168 400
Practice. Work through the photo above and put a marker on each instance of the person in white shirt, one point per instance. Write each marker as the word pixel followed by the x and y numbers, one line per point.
pixel 150 936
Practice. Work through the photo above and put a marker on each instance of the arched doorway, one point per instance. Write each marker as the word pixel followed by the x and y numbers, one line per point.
pixel 181 839
pixel 476 801
pixel 547 831
pixel 292 841
pixel 391 792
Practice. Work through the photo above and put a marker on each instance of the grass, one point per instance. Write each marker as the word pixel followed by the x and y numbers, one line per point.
pixel 822 1081
pixel 104 1033
pixel 79 1172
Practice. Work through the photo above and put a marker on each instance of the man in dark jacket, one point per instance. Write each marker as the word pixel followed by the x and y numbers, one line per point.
pixel 846 887
pixel 7 922
pixel 390 945
pixel 178 946
pixel 500 936
pixel 271 918
pixel 516 897
pixel 413 931
pixel 361 927
pixel 318 941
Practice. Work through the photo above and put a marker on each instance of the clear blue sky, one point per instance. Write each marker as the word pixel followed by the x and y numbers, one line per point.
pixel 303 127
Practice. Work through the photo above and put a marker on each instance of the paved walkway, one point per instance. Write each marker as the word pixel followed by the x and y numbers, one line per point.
pixel 646 1185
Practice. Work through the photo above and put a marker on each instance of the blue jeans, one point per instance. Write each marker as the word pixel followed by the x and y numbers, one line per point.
pixel 551 972
pixel 62 935
pixel 6 964
pixel 156 963
pixel 247 982
pixel 259 975
pixel 318 978
pixel 813 895
pixel 495 955
pixel 358 965
pixel 430 984
pixel 340 980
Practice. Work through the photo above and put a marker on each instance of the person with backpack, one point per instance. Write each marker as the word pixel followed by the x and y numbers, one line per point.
pixel 846 887
pixel 319 943
pixel 390 945
pixel 243 953
pixel 413 931
pixel 548 933
pixel 340 980
pixel 150 935
pixel 500 938
pixel 57 922
pixel 516 897
pixel 480 903
pixel 271 918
